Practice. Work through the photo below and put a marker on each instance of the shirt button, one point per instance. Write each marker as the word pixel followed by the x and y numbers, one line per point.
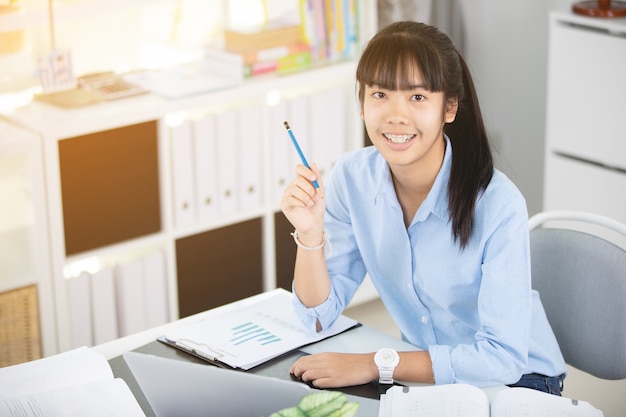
pixel 408 244
pixel 424 319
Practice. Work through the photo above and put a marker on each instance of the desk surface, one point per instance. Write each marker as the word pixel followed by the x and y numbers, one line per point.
pixel 366 395
pixel 358 340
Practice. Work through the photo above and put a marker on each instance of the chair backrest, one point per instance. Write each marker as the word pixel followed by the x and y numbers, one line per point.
pixel 581 279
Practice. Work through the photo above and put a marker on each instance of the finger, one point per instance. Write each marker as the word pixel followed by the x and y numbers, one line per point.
pixel 306 186
pixel 297 367
pixel 312 175
pixel 303 191
pixel 296 198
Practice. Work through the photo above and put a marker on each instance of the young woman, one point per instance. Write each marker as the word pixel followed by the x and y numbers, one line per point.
pixel 440 232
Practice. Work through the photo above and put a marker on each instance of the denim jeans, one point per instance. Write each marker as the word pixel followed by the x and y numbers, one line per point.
pixel 549 384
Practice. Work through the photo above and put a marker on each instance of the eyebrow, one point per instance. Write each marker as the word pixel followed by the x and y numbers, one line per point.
pixel 408 88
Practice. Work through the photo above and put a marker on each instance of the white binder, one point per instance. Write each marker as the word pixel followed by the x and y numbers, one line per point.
pixel 205 167
pixel 251 156
pixel 78 295
pixel 103 306
pixel 227 162
pixel 327 128
pixel 182 174
pixel 131 310
pixel 155 293
pixel 336 140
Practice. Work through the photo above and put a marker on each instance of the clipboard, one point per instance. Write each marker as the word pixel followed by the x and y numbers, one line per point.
pixel 251 335
pixel 194 352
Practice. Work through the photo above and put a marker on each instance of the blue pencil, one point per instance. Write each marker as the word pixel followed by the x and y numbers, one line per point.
pixel 302 158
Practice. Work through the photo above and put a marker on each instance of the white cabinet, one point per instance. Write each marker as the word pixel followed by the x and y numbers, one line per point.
pixel 125 182
pixel 192 182
pixel 24 259
pixel 586 134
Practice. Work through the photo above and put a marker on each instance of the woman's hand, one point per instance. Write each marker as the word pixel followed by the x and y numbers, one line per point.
pixel 332 370
pixel 304 205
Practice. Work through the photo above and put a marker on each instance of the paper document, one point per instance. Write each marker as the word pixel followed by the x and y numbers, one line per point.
pixel 76 383
pixel 463 400
pixel 253 334
pixel 182 80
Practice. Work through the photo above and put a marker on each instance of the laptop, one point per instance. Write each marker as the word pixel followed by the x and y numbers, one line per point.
pixel 175 388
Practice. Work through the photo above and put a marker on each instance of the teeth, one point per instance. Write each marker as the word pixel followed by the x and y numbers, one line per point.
pixel 398 138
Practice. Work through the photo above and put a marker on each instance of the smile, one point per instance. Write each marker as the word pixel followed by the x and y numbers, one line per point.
pixel 398 138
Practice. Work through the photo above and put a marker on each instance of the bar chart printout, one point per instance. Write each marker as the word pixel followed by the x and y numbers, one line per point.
pixel 253 334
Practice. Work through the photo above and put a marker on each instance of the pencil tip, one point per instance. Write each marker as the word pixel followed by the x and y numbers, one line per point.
pixel 286 125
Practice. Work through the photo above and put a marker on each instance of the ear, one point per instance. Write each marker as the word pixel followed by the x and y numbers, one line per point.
pixel 452 107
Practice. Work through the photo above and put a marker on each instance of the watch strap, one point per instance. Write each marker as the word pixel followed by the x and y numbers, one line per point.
pixel 385 376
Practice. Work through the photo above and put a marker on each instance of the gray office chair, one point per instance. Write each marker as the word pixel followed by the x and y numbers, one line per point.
pixel 581 278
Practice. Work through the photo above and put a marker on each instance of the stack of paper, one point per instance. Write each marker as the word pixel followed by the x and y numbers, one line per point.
pixel 76 383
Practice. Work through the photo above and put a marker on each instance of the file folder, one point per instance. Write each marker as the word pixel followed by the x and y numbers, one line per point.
pixel 183 175
pixel 227 162
pixel 155 293
pixel 205 165
pixel 131 310
pixel 103 306
pixel 250 139
pixel 79 296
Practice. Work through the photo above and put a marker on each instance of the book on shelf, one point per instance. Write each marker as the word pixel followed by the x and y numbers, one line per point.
pixel 464 400
pixel 268 36
pixel 289 63
pixel 252 62
pixel 331 28
pixel 251 335
pixel 251 55
pixel 75 383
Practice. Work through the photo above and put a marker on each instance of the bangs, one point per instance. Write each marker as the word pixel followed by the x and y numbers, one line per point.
pixel 395 62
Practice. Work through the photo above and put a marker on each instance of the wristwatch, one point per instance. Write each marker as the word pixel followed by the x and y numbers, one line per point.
pixel 386 360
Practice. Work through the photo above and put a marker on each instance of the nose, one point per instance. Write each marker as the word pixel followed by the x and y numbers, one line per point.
pixel 398 111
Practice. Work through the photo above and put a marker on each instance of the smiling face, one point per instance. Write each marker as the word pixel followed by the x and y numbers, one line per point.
pixel 406 125
pixel 407 94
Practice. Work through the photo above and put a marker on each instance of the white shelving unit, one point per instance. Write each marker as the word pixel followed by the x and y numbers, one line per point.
pixel 24 256
pixel 51 127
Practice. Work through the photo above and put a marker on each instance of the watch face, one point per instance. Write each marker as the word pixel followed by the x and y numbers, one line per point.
pixel 387 357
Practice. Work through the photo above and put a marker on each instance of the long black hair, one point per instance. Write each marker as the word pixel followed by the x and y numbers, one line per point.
pixel 388 60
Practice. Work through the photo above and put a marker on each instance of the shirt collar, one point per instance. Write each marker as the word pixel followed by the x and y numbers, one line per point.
pixel 437 200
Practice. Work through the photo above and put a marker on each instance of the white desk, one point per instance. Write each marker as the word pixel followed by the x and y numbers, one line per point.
pixel 362 339
pixel 359 340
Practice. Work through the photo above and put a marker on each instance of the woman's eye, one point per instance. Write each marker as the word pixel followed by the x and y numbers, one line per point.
pixel 418 97
pixel 378 94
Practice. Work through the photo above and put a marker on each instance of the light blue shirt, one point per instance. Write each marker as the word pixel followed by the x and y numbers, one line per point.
pixel 472 309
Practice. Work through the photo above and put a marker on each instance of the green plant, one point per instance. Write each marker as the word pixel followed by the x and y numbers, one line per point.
pixel 321 404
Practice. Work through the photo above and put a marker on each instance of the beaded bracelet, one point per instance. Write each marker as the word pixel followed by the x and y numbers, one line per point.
pixel 320 246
